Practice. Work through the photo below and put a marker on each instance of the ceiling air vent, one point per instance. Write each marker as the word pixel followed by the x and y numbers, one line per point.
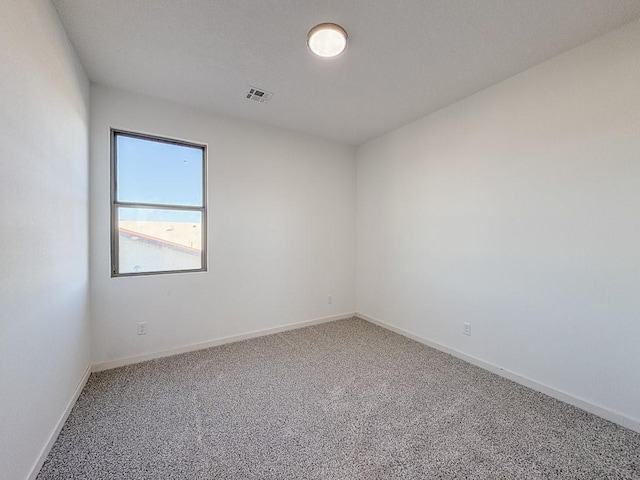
pixel 259 95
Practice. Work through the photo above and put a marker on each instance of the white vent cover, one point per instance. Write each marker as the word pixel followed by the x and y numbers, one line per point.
pixel 259 95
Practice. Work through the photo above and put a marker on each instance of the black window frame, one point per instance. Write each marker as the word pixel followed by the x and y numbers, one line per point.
pixel 115 203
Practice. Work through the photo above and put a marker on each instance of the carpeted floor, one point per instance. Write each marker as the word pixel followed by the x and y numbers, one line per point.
pixel 342 400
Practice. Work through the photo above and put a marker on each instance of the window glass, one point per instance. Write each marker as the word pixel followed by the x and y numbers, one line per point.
pixel 156 240
pixel 158 172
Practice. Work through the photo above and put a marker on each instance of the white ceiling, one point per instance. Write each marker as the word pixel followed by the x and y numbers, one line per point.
pixel 406 58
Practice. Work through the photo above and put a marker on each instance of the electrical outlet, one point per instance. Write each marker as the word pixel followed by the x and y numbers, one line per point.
pixel 142 328
pixel 329 299
pixel 466 328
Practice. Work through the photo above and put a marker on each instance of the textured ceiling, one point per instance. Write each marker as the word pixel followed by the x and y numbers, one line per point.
pixel 406 58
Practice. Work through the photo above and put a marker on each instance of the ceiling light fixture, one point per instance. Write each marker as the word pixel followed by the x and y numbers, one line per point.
pixel 327 40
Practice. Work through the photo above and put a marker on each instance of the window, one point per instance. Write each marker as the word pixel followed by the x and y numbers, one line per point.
pixel 158 208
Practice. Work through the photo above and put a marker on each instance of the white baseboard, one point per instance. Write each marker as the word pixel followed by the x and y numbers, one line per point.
pixel 606 413
pixel 213 343
pixel 44 453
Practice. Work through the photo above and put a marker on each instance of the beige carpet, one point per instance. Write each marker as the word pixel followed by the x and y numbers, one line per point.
pixel 342 400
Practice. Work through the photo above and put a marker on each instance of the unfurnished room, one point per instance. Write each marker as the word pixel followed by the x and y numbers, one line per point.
pixel 319 239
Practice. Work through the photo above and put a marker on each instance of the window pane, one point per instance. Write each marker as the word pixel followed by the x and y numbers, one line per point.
pixel 150 171
pixel 157 240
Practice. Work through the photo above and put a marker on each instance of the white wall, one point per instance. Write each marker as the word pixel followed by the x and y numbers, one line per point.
pixel 44 326
pixel 281 232
pixel 518 210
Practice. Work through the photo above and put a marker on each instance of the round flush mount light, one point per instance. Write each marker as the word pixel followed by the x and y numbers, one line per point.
pixel 327 40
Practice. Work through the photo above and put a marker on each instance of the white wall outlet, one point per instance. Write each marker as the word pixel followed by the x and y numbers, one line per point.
pixel 142 328
pixel 466 328
pixel 329 299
